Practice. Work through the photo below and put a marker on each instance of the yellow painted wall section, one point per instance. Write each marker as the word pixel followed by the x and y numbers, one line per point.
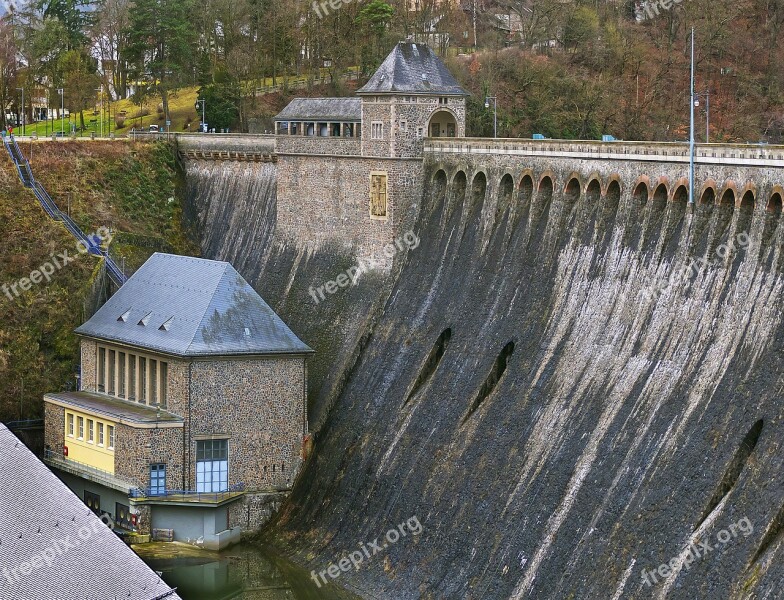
pixel 83 449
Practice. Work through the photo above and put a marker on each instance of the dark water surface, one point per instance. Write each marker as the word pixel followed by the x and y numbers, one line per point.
pixel 243 572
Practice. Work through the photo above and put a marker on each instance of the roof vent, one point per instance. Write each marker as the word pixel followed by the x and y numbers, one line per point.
pixel 145 319
pixel 166 325
pixel 247 332
pixel 424 77
pixel 124 317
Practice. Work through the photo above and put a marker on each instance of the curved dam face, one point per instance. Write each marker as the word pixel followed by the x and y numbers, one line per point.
pixel 572 385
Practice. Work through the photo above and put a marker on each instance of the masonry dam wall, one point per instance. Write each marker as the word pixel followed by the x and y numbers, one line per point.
pixel 573 380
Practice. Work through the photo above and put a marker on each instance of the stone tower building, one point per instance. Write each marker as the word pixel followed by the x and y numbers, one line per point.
pixel 350 169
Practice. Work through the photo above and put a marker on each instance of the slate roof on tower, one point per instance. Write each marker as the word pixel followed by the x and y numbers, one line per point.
pixel 413 69
pixel 192 307
pixel 53 546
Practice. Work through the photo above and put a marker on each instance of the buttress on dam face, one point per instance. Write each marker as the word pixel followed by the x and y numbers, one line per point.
pixel 573 381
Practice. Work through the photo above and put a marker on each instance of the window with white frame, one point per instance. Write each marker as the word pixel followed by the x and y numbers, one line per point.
pixel 377 130
pixel 212 465
pixel 70 424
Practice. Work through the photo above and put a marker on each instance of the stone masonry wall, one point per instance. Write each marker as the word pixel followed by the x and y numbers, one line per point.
pixel 54 427
pixel 135 449
pixel 89 351
pixel 327 199
pixel 318 145
pixel 259 405
pixel 254 510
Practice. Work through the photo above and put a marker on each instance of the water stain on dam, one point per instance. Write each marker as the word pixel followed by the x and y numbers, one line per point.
pixel 617 420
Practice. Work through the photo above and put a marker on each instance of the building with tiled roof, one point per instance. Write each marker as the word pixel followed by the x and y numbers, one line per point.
pixel 191 413
pixel 52 547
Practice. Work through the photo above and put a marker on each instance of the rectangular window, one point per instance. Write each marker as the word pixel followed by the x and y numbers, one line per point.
pixel 164 383
pixel 212 465
pixel 101 369
pixel 131 377
pixel 112 365
pixel 153 381
pixel 377 130
pixel 100 434
pixel 93 501
pixel 90 431
pixel 110 428
pixel 443 101
pixel 122 516
pixel 70 424
pixel 157 480
pixel 378 195
pixel 143 380
pixel 404 126
pixel 80 422
pixel 121 374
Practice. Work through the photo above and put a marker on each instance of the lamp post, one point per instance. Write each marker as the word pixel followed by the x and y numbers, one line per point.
pixel 62 111
pixel 495 113
pixel 691 125
pixel 21 89
pixel 706 95
pixel 100 91
pixel 203 113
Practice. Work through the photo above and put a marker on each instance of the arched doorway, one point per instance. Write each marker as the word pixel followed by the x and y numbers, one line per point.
pixel 442 124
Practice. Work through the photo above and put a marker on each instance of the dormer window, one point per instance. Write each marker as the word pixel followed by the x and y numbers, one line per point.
pixel 166 325
pixel 145 319
pixel 124 317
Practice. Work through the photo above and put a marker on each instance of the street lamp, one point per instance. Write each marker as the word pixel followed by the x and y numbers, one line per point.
pixel 100 90
pixel 203 114
pixel 62 111
pixel 21 89
pixel 691 126
pixel 706 95
pixel 495 113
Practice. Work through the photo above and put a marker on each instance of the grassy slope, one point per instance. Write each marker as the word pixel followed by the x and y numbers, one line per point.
pixel 119 185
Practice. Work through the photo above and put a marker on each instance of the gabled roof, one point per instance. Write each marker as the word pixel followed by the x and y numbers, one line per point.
pixel 191 307
pixel 413 69
pixel 65 550
pixel 322 109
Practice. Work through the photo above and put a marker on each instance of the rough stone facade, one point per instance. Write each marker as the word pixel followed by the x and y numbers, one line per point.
pixel 54 435
pixel 259 406
pixel 327 199
pixel 135 449
pixel 89 373
pixel 254 510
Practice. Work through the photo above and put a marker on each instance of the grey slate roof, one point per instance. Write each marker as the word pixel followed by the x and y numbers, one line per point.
pixel 413 69
pixel 118 409
pixel 191 307
pixel 322 109
pixel 42 521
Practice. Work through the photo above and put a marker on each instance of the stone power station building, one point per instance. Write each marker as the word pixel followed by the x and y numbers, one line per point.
pixel 192 411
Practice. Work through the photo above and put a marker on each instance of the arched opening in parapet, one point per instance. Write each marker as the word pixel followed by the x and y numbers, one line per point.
pixel 680 199
pixel 745 213
pixel 459 185
pixel 525 190
pixel 655 218
pixel 504 199
pixel 593 193
pixel 724 217
pixel 772 218
pixel 572 190
pixel 641 194
pixel 442 124
pixel 708 196
pixel 477 198
pixel 728 198
pixel 438 193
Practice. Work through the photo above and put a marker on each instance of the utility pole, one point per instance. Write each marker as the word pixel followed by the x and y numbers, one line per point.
pixel 495 113
pixel 203 113
pixel 691 126
pixel 62 111
pixel 21 89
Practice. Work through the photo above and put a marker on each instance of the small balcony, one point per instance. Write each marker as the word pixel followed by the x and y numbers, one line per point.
pixel 186 497
pixel 85 471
